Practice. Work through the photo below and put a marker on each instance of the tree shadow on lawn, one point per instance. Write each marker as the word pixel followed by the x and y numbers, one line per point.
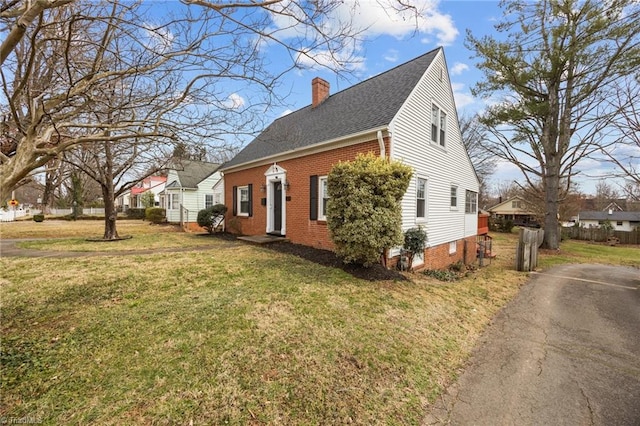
pixel 327 258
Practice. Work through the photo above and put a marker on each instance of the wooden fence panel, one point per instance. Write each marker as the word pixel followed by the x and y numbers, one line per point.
pixel 527 248
pixel 601 235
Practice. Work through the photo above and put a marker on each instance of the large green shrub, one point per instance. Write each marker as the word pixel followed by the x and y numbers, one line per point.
pixel 363 211
pixel 211 217
pixel 38 218
pixel 155 215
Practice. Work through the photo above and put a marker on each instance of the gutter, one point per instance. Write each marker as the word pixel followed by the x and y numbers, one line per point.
pixel 383 151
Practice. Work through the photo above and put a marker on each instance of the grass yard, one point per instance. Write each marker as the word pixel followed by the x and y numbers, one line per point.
pixel 232 335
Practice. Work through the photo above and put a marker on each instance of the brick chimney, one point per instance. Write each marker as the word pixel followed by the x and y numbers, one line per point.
pixel 319 91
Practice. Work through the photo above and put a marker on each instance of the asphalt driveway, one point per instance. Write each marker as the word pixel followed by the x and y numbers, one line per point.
pixel 565 351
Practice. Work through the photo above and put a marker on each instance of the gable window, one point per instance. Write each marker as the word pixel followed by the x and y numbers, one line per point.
pixel 421 198
pixel 454 196
pixel 243 201
pixel 208 201
pixel 517 204
pixel 438 125
pixel 323 198
pixel 471 202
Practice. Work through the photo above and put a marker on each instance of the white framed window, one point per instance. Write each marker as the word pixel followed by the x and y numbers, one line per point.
pixel 453 247
pixel 421 198
pixel 438 125
pixel 454 197
pixel 208 200
pixel 516 204
pixel 173 201
pixel 471 202
pixel 323 197
pixel 243 201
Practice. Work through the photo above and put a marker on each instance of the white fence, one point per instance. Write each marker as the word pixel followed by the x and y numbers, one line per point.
pixel 11 215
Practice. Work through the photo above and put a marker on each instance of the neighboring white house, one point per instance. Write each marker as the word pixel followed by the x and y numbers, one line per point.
pixel 153 184
pixel 189 189
pixel 620 221
pixel 278 183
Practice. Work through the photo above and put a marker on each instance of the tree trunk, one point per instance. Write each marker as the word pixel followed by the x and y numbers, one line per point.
pixel 110 212
pixel 552 191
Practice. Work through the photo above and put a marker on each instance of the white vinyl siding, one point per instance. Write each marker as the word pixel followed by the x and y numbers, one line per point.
pixel 410 128
pixel 192 199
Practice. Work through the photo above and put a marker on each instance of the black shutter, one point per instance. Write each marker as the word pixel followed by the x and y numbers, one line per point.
pixel 234 197
pixel 250 186
pixel 313 201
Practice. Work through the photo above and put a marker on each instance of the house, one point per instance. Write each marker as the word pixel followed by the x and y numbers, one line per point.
pixel 153 184
pixel 189 189
pixel 278 183
pixel 620 221
pixel 514 209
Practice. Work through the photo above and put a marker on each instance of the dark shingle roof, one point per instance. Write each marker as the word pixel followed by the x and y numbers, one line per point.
pixel 191 173
pixel 367 105
pixel 616 215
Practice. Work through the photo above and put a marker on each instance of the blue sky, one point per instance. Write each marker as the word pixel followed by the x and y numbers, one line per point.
pixel 391 39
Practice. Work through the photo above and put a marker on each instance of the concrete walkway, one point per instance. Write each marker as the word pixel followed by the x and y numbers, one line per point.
pixel 565 351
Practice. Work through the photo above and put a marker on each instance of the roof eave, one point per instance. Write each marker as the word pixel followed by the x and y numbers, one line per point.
pixel 354 138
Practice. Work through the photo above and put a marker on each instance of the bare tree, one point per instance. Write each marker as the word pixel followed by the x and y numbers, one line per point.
pixel 623 148
pixel 116 167
pixel 554 70
pixel 199 74
pixel 474 136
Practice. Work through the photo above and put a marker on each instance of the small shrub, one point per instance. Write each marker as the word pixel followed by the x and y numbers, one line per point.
pixel 155 215
pixel 38 218
pixel 442 275
pixel 136 213
pixel 211 217
pixel 415 240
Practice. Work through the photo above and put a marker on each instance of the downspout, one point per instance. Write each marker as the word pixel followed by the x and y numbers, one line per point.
pixel 383 150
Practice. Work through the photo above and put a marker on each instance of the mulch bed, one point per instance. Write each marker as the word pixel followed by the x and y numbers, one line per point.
pixel 328 258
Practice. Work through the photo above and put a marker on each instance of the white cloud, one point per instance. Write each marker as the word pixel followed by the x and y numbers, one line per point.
pixel 234 101
pixel 286 112
pixel 391 56
pixel 325 59
pixel 462 98
pixel 157 39
pixel 370 18
pixel 458 68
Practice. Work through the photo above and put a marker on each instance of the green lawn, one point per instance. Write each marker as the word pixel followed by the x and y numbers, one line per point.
pixel 237 335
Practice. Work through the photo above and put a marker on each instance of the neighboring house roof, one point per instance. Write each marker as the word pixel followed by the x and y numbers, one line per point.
pixel 365 106
pixel 506 206
pixel 148 183
pixel 191 173
pixel 617 216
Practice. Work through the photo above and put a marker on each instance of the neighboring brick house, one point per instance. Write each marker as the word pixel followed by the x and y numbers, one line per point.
pixel 189 189
pixel 277 183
